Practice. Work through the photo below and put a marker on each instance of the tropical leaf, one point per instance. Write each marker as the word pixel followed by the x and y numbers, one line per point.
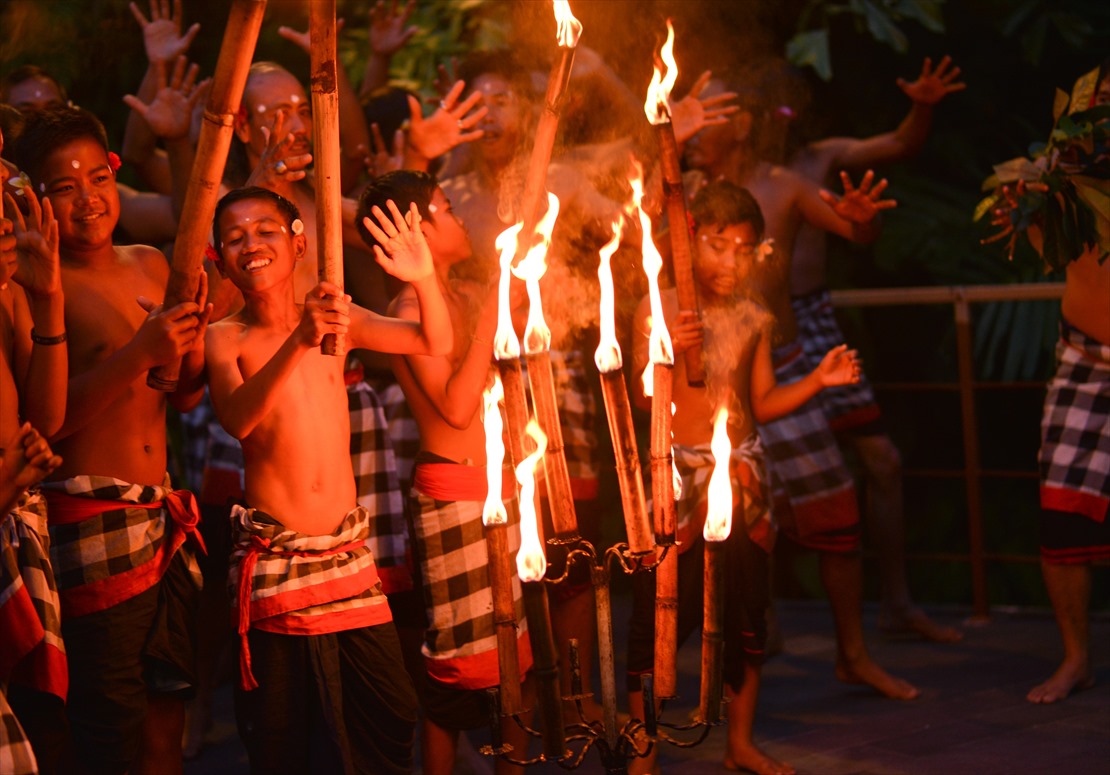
pixel 882 27
pixel 926 12
pixel 811 49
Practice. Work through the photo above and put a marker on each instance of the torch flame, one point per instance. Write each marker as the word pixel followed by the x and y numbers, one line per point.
pixel 657 104
pixel 530 561
pixel 493 512
pixel 537 336
pixel 506 346
pixel 718 520
pixel 659 342
pixel 569 28
pixel 607 356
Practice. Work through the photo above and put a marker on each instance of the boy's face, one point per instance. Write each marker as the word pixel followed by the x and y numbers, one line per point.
pixel 82 189
pixel 259 251
pixel 35 94
pixel 445 233
pixel 504 121
pixel 264 96
pixel 723 258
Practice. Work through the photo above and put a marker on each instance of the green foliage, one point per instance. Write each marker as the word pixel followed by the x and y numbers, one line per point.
pixel 880 18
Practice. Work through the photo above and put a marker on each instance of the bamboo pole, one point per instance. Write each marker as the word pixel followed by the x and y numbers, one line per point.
pixel 619 413
pixel 325 153
pixel 545 668
pixel 665 524
pixel 665 666
pixel 195 223
pixel 681 249
pixel 712 634
pixel 504 616
pixel 599 575
pixel 560 498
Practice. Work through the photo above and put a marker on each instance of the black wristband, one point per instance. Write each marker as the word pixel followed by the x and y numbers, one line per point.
pixel 47 340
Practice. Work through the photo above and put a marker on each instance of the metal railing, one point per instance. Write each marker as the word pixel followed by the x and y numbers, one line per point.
pixel 961 298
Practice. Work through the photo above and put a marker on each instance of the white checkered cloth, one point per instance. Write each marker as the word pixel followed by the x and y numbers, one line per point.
pixel 31 650
pixel 460 643
pixel 404 433
pixel 378 486
pixel 1075 429
pixel 16 756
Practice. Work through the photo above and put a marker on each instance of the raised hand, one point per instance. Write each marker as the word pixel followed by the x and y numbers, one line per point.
pixel 840 366
pixel 444 80
pixel 862 204
pixel 693 112
pixel 401 249
pixel 326 311
pixel 302 39
pixel 449 126
pixel 384 159
pixel 162 36
pixel 27 459
pixel 687 332
pixel 933 85
pixel 38 266
pixel 170 113
pixel 168 334
pixel 388 33
pixel 277 167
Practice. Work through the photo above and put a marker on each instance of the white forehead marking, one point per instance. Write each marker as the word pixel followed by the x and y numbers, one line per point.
pixel 261 108
pixel 432 208
pixel 76 164
pixel 283 230
pixel 294 98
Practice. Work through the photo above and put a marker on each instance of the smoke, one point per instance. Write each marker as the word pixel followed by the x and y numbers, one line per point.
pixel 731 332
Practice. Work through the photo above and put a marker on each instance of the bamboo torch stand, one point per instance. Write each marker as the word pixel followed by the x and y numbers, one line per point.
pixel 195 223
pixel 713 638
pixel 663 510
pixel 560 498
pixel 618 410
pixel 504 616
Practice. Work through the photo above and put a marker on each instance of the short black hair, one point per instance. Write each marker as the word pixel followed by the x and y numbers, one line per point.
pixel 502 62
pixel 723 204
pixel 404 187
pixel 26 73
pixel 46 131
pixel 284 206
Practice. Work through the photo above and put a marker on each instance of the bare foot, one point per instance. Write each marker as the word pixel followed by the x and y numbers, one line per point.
pixel 1069 676
pixel 865 671
pixel 750 759
pixel 914 621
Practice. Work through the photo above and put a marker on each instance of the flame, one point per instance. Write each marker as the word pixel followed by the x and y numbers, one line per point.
pixel 569 28
pixel 718 520
pixel 659 342
pixel 506 346
pixel 657 104
pixel 530 561
pixel 537 336
pixel 676 477
pixel 607 356
pixel 493 512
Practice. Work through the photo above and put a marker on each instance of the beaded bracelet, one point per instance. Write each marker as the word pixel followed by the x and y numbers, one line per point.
pixel 47 340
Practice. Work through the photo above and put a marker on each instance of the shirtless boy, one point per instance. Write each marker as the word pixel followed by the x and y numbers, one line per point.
pixel 285 401
pixel 737 335
pixel 125 693
pixel 449 487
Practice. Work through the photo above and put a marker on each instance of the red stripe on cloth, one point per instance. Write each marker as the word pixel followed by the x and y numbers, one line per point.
pixel 818 521
pixel 333 621
pixel 855 418
pixel 478 671
pixel 22 628
pixel 456 482
pixel 45 669
pixel 1081 556
pixel 395 578
pixel 1074 502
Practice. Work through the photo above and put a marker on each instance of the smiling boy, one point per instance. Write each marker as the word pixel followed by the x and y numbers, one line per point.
pixel 126 578
pixel 322 685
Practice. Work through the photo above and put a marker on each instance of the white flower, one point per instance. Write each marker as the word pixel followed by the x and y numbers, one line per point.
pixel 298 226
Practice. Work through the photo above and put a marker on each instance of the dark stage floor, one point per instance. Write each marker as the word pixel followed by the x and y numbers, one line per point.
pixel 972 716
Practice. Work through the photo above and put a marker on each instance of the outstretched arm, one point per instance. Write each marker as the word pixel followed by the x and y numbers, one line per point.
pixel 770 401
pixel 388 33
pixel 852 216
pixel 931 86
pixel 454 123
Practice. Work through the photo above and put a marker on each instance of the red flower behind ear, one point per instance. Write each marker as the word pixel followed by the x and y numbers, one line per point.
pixel 113 161
pixel 211 254
pixel 241 116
